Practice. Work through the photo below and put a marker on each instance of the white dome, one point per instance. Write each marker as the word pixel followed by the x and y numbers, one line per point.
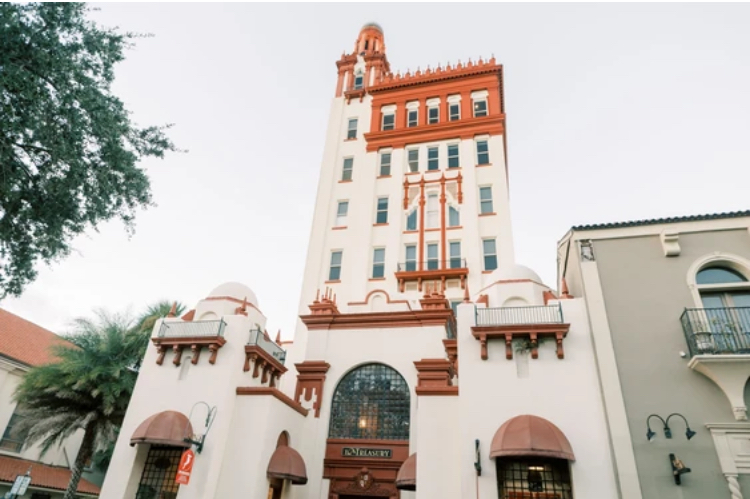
pixel 515 272
pixel 235 290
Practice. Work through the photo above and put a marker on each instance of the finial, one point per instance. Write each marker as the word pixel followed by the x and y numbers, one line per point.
pixel 564 286
pixel 467 298
pixel 173 310
pixel 317 295
pixel 278 337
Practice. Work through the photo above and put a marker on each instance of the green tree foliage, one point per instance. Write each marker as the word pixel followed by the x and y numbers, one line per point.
pixel 69 152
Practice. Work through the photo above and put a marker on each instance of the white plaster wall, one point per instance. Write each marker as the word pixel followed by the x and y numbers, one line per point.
pixel 563 391
pixel 437 447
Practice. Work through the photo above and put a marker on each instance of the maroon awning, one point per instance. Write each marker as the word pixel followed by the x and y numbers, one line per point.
pixel 164 428
pixel 531 436
pixel 287 464
pixel 407 474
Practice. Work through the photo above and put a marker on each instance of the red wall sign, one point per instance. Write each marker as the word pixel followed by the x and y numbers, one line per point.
pixel 185 468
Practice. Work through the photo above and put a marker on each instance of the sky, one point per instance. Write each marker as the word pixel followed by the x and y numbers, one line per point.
pixel 614 112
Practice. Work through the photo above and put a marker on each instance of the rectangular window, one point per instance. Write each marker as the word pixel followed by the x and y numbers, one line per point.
pixel 413 159
pixel 411 258
pixel 13 439
pixel 433 211
pixel 454 306
pixel 432 256
pixel 454 111
pixel 485 200
pixel 480 108
pixel 359 81
pixel 378 263
pixel 455 254
pixel 159 471
pixel 341 212
pixel 453 156
pixel 385 164
pixel 351 131
pixel 412 118
pixel 346 172
pixel 433 115
pixel 454 217
pixel 432 158
pixel 490 254
pixel 382 212
pixel 334 273
pixel 483 152
pixel 411 220
pixel 389 121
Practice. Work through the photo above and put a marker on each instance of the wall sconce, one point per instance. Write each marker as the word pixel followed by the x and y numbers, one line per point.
pixel 678 468
pixel 650 434
pixel 210 416
pixel 477 462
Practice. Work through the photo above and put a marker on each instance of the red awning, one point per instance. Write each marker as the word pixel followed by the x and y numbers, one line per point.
pixel 287 464
pixel 531 436
pixel 407 474
pixel 164 428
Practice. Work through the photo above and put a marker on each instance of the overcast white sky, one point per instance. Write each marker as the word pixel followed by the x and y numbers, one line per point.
pixel 615 112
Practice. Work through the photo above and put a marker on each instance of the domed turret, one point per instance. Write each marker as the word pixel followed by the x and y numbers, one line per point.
pixel 235 290
pixel 515 273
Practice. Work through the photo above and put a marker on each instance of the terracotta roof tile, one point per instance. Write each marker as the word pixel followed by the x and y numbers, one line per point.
pixel 656 221
pixel 42 475
pixel 26 342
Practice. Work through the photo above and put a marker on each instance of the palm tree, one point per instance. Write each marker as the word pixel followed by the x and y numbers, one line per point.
pixel 144 323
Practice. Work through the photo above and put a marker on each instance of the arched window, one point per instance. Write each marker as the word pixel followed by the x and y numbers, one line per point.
pixel 723 326
pixel 372 401
pixel 723 287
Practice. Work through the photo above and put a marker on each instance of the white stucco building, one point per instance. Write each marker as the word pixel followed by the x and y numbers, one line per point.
pixel 426 362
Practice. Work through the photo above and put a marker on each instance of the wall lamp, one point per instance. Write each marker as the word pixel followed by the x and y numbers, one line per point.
pixel 477 461
pixel 201 439
pixel 678 468
pixel 650 434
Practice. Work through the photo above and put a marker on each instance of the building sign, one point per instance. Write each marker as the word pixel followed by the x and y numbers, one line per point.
pixel 363 452
pixel 185 467
pixel 20 485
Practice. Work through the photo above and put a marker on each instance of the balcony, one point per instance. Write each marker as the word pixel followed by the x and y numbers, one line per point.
pixel 718 340
pixel 431 270
pixel 195 335
pixel 530 323
pixel 267 357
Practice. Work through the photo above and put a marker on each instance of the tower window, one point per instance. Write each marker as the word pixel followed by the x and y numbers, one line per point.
pixel 346 172
pixel 454 217
pixel 351 130
pixel 385 164
pixel 381 216
pixel 389 121
pixel 432 256
pixel 454 112
pixel 413 159
pixel 485 200
pixel 432 158
pixel 453 156
pixel 490 254
pixel 411 258
pixel 342 211
pixel 378 263
pixel 483 152
pixel 455 253
pixel 433 115
pixel 359 81
pixel 412 118
pixel 411 220
pixel 480 108
pixel 334 273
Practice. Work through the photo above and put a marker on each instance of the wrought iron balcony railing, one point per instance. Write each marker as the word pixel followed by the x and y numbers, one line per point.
pixel 194 329
pixel 717 330
pixel 258 337
pixel 546 314
pixel 413 265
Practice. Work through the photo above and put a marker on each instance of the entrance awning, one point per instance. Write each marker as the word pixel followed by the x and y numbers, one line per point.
pixel 407 474
pixel 531 436
pixel 164 428
pixel 287 464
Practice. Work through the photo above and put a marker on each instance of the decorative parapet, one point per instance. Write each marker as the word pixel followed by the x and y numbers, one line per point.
pixel 325 305
pixel 435 377
pixel 195 335
pixel 459 70
pixel 267 358
pixel 310 381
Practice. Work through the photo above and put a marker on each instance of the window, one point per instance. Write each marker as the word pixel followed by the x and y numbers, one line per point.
pixel 351 131
pixel 359 81
pixel 412 118
pixel 385 164
pixel 13 439
pixel 483 152
pixel 342 210
pixel 411 220
pixel 719 275
pixel 433 115
pixel 521 477
pixel 433 162
pixel 455 252
pixel 485 200
pixel 490 254
pixel 371 402
pixel 334 273
pixel 40 495
pixel 157 478
pixel 381 216
pixel 411 258
pixel 378 263
pixel 452 155
pixel 432 256
pixel 433 212
pixel 346 172
pixel 454 111
pixel 454 217
pixel 480 108
pixel 389 121
pixel 412 156
pixel 723 326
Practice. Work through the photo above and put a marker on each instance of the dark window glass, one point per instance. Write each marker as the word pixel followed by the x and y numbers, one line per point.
pixel 411 258
pixel 358 81
pixel 371 402
pixel 719 275
pixel 490 254
pixel 432 158
pixel 483 152
pixel 433 115
pixel 385 164
pixel 454 112
pixel 378 263
pixel 388 121
pixel 480 108
pixel 351 132
pixel 13 439
pixel 334 273
pixel 485 199
pixel 413 118
pixel 157 478
pixel 346 172
pixel 453 156
pixel 413 158
pixel 454 217
pixel 411 221
pixel 533 477
pixel 381 217
pixel 455 251
pixel 432 256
